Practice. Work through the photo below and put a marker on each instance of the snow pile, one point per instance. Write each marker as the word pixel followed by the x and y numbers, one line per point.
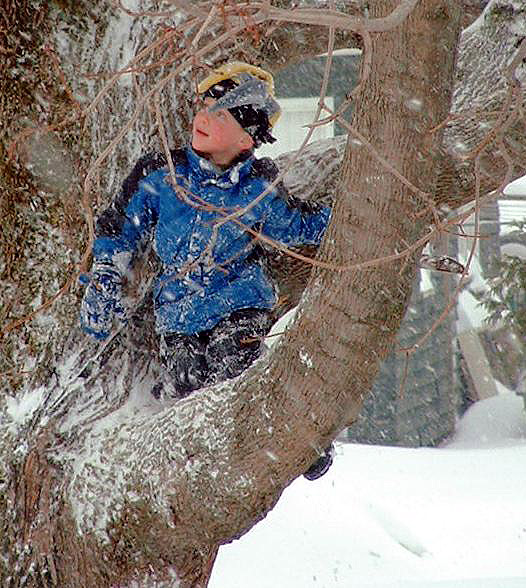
pixel 452 517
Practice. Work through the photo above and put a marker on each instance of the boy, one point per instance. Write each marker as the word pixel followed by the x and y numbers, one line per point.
pixel 214 297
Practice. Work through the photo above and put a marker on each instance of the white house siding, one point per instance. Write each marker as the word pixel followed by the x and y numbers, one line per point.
pixel 291 128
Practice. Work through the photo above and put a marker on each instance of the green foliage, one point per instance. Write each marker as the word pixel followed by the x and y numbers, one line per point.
pixel 506 299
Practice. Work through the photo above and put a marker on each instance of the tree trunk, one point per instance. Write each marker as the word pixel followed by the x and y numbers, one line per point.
pixel 104 486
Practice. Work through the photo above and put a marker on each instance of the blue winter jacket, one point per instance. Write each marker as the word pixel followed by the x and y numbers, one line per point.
pixel 209 268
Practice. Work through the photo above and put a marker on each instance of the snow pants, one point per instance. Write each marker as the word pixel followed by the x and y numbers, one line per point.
pixel 223 352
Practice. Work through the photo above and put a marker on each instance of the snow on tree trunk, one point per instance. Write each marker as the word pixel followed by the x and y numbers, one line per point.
pixel 487 128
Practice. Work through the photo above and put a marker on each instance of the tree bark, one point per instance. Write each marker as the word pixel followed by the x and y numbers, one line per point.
pixel 104 486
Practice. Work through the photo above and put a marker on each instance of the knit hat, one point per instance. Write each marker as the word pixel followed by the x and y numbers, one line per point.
pixel 247 92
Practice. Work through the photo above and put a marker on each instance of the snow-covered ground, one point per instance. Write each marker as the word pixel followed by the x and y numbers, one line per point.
pixel 450 517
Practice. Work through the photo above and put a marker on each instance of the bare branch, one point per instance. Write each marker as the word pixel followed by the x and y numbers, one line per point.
pixel 343 21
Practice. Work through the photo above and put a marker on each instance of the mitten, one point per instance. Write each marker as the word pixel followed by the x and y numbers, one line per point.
pixel 102 302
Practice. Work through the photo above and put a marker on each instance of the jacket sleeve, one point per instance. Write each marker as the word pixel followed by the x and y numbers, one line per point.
pixel 128 220
pixel 111 220
pixel 289 220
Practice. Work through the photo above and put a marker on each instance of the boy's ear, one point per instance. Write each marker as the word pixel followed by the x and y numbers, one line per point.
pixel 246 142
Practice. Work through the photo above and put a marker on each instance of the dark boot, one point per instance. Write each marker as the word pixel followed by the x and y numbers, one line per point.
pixel 321 465
pixel 183 358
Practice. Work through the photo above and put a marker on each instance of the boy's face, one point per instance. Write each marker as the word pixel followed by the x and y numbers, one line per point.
pixel 219 135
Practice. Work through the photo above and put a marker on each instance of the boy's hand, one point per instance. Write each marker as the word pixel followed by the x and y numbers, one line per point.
pixel 102 302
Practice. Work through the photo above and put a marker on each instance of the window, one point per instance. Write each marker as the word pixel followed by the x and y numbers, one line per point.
pixel 290 130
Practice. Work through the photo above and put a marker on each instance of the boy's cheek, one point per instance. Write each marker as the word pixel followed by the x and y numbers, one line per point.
pixel 207 142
